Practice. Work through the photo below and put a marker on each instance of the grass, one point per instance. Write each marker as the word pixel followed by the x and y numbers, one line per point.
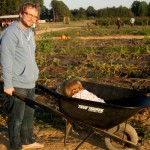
pixel 116 61
pixel 92 30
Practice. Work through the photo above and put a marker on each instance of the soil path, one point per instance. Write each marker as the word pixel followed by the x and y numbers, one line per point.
pixel 55 29
pixel 91 37
pixel 114 37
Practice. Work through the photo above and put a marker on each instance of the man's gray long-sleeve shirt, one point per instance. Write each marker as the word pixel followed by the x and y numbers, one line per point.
pixel 19 68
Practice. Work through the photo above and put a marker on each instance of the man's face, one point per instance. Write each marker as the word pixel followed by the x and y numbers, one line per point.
pixel 28 17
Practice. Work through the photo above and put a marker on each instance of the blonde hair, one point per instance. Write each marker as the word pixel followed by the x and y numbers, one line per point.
pixel 72 87
pixel 24 6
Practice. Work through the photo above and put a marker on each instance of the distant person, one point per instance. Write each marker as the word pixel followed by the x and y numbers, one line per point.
pixel 118 23
pixel 132 21
pixel 74 88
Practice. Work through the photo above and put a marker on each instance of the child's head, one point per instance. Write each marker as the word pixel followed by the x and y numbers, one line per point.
pixel 72 87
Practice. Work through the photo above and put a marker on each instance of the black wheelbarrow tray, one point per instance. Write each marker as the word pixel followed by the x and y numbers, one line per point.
pixel 108 118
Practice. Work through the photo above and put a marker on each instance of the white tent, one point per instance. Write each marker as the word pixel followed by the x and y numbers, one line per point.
pixel 9 16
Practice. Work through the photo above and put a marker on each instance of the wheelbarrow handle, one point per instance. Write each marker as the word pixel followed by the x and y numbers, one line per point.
pixel 20 96
pixel 34 103
pixel 29 101
pixel 48 90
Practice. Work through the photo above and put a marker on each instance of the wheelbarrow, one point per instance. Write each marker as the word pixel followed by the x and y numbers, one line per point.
pixel 109 119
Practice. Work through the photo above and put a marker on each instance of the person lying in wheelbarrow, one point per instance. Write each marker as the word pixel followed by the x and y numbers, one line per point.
pixel 74 88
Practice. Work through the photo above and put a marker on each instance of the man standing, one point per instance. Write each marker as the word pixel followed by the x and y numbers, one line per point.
pixel 19 73
pixel 118 22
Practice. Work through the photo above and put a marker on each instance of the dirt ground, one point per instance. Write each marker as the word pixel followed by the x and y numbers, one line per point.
pixel 88 38
pixel 53 139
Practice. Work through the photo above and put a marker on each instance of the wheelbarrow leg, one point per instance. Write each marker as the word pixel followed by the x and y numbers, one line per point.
pixel 68 129
pixel 84 140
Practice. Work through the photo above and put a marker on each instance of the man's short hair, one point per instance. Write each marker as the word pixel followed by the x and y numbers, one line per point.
pixel 24 6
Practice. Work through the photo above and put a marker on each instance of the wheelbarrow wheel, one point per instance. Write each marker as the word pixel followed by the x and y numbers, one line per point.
pixel 124 131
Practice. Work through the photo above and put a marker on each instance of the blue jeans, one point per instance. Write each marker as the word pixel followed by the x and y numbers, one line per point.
pixel 20 120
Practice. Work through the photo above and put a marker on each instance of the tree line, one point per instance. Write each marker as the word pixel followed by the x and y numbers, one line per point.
pixel 11 7
pixel 58 10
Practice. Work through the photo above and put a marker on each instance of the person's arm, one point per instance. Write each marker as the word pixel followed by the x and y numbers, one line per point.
pixel 8 46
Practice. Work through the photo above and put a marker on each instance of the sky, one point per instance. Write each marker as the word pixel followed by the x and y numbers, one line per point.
pixel 97 4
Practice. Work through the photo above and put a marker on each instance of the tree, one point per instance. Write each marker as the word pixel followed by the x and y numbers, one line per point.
pixel 2 7
pixel 10 7
pixel 114 12
pixel 75 12
pixel 148 9
pixel 135 7
pixel 139 8
pixel 79 13
pixel 91 12
pixel 54 6
pixel 143 9
pixel 82 13
pixel 60 10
